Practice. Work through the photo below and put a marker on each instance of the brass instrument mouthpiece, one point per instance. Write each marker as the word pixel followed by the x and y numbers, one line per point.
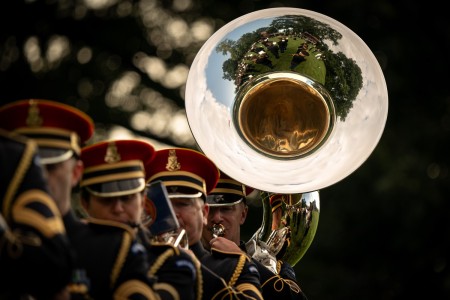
pixel 218 230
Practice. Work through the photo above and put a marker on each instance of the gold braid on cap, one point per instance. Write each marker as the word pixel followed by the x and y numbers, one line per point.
pixel 112 155
pixel 172 162
pixel 34 119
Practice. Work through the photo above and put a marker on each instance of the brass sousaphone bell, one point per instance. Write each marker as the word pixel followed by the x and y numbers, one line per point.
pixel 287 101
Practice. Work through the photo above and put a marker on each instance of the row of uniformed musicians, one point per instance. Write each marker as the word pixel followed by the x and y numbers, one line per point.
pixel 49 251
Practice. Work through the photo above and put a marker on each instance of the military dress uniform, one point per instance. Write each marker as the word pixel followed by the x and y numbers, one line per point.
pixel 117 168
pixel 109 262
pixel 35 255
pixel 188 173
pixel 173 268
pixel 115 263
pixel 279 285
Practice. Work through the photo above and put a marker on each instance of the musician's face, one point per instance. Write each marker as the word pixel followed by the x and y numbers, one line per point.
pixel 191 214
pixel 231 217
pixel 126 209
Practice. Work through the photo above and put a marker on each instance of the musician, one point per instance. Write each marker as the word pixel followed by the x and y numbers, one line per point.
pixel 228 208
pixel 188 176
pixel 32 234
pixel 109 262
pixel 113 190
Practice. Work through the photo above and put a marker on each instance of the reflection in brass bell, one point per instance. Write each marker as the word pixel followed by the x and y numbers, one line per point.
pixel 287 101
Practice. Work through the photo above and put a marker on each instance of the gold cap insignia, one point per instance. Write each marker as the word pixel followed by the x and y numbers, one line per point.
pixel 172 189
pixel 34 119
pixel 172 161
pixel 112 155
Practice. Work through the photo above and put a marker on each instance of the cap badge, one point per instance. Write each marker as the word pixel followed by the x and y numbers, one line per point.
pixel 34 119
pixel 219 199
pixel 112 155
pixel 172 161
pixel 173 189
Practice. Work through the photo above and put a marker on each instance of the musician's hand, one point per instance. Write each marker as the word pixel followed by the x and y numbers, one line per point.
pixel 225 245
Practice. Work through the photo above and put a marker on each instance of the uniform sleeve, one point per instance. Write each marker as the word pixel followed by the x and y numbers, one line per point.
pixel 129 274
pixel 248 282
pixel 176 273
pixel 288 274
pixel 282 285
pixel 140 273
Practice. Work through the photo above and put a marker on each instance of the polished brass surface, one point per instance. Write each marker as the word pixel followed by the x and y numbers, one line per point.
pixel 288 232
pixel 287 101
pixel 284 117
pixel 218 230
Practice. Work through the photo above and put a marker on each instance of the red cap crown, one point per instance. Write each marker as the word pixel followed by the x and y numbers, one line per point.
pixel 114 168
pixel 184 171
pixel 58 129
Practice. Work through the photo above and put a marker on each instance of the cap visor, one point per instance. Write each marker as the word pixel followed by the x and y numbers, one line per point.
pixel 50 156
pixel 117 188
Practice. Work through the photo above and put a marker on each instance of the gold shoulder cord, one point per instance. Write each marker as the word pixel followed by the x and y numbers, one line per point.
pixel 244 286
pixel 238 270
pixel 124 248
pixel 160 261
pixel 197 264
pixel 168 288
pixel 49 227
pixel 128 288
pixel 228 290
pixel 170 252
pixel 23 166
pixel 279 282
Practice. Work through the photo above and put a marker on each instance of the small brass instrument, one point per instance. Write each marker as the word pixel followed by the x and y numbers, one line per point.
pixel 218 230
pixel 174 238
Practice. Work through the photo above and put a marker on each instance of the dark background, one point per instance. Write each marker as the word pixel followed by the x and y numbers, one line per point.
pixel 383 231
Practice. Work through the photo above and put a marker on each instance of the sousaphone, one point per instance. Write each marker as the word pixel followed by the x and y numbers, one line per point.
pixel 287 101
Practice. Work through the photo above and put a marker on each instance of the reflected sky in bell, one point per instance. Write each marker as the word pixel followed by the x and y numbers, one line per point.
pixel 209 99
pixel 222 88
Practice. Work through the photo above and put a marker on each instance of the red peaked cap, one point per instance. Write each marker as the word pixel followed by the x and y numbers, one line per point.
pixel 116 167
pixel 184 171
pixel 228 191
pixel 59 129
